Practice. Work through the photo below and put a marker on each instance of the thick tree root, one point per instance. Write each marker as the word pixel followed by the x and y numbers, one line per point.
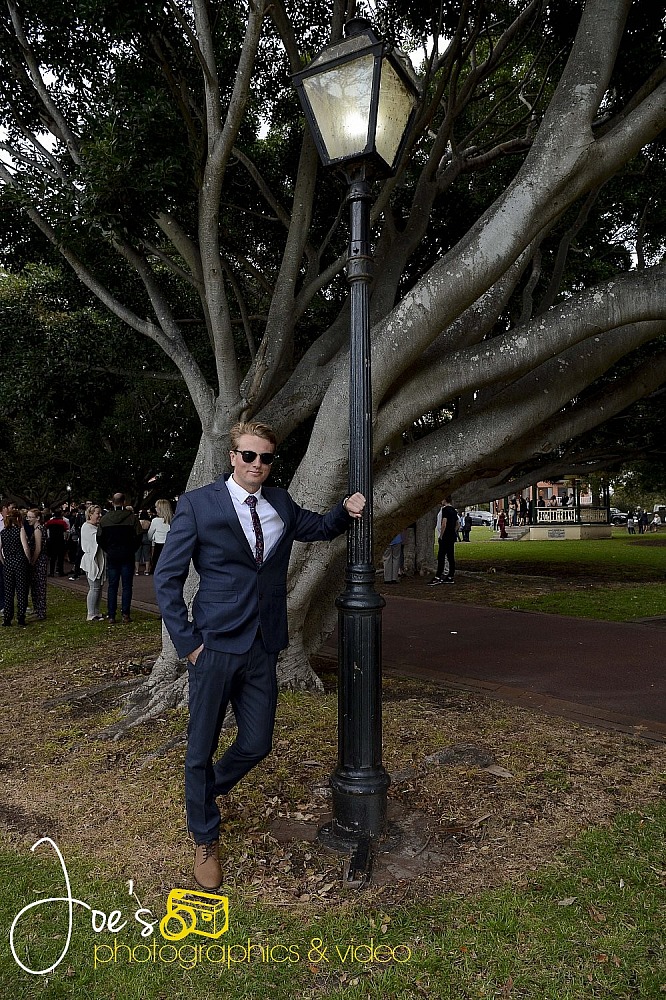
pixel 164 689
pixel 161 751
pixel 82 694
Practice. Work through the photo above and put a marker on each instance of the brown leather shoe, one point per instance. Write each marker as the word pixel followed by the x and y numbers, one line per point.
pixel 207 871
pixel 127 620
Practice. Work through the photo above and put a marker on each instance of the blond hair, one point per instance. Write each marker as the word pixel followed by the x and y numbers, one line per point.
pixel 164 510
pixel 255 429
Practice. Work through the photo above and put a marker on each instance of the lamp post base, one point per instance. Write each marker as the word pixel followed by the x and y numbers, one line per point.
pixel 359 783
pixel 359 806
pixel 333 837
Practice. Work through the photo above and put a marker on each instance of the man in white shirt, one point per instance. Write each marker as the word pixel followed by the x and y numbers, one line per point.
pixel 239 534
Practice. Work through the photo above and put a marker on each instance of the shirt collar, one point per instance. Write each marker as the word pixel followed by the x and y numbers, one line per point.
pixel 239 493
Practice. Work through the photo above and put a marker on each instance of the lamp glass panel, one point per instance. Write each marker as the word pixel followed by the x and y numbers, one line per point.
pixel 340 100
pixel 395 106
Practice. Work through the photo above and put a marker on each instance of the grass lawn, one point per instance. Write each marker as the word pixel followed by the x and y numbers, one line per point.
pixel 616 579
pixel 622 557
pixel 66 631
pixel 532 865
pixel 589 924
pixel 619 603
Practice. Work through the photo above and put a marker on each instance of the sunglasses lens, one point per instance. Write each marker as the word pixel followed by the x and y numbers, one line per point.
pixel 266 457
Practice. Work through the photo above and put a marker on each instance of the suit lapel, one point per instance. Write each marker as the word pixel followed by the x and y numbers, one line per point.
pixel 278 499
pixel 229 511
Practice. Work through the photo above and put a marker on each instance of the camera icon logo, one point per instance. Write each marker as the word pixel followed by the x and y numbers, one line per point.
pixel 190 912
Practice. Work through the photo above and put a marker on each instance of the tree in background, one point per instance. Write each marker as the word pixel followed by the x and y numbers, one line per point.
pixel 82 404
pixel 169 167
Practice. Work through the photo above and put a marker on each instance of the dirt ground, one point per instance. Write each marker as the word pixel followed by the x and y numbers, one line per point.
pixel 482 793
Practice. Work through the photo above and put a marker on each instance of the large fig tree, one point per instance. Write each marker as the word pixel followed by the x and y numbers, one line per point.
pixel 519 297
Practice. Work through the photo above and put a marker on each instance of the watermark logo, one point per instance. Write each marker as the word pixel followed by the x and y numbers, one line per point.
pixel 188 912
pixel 69 899
pixel 194 913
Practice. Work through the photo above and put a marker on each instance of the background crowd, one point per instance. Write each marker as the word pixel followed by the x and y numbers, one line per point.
pixel 109 544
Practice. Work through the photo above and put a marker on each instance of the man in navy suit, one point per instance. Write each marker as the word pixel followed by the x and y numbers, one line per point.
pixel 239 535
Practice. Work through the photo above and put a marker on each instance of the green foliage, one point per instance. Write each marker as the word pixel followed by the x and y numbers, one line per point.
pixel 641 484
pixel 134 95
pixel 79 405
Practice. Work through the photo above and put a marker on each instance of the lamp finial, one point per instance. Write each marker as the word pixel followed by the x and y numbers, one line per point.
pixel 356 26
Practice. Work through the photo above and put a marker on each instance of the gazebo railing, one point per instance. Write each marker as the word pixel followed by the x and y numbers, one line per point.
pixel 572 515
pixel 556 515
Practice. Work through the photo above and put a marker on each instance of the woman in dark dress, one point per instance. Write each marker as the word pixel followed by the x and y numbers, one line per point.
pixel 15 557
pixel 39 559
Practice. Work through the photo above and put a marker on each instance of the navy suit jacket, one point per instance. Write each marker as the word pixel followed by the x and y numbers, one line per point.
pixel 234 595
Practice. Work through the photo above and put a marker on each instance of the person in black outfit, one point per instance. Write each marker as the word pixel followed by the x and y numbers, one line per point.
pixel 119 535
pixel 57 533
pixel 447 542
pixel 522 505
pixel 5 507
pixel 15 558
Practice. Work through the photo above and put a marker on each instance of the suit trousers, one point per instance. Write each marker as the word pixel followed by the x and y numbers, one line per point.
pixel 248 682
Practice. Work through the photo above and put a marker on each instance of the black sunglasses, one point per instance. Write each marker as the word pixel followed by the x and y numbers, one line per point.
pixel 266 457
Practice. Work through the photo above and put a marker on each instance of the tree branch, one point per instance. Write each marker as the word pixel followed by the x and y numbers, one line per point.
pixel 281 214
pixel 274 360
pixel 56 170
pixel 64 131
pixel 221 141
pixel 170 263
pixel 182 243
pixel 632 298
pixel 242 308
pixel 442 457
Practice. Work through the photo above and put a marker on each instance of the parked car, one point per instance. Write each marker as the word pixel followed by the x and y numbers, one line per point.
pixel 618 516
pixel 481 518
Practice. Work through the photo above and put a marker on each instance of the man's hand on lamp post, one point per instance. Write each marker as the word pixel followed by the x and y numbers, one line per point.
pixel 354 504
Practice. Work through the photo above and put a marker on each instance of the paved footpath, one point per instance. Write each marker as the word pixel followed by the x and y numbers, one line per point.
pixel 606 674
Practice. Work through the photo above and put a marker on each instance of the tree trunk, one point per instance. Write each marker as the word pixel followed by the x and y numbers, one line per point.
pixel 424 561
pixel 166 687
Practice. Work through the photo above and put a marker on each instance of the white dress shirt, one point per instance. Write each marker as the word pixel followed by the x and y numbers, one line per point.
pixel 272 524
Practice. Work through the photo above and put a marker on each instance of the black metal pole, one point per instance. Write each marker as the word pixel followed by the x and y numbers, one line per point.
pixel 359 782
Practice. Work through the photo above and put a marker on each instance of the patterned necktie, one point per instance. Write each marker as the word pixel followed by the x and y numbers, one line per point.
pixel 251 501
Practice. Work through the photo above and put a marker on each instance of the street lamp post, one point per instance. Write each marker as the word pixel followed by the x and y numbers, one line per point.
pixel 359 97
